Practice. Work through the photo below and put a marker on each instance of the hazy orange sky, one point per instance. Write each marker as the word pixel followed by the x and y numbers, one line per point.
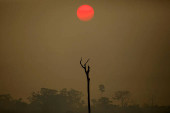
pixel 128 43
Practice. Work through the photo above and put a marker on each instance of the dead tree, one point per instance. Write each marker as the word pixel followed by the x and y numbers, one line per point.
pixel 88 81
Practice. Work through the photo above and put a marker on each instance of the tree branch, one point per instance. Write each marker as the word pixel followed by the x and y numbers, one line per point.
pixel 86 63
pixel 86 71
pixel 81 64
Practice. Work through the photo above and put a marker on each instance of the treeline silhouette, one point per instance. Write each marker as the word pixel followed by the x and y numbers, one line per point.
pixel 70 101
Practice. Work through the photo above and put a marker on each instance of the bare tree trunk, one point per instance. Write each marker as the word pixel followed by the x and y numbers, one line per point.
pixel 88 91
pixel 88 83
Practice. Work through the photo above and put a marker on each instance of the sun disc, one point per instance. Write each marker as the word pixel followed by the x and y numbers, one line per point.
pixel 85 12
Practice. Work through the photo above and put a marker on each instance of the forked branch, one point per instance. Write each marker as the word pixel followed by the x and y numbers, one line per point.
pixel 88 69
pixel 81 64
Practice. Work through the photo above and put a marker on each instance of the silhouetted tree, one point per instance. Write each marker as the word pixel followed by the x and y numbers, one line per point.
pixel 104 101
pixel 8 104
pixel 70 102
pixel 88 81
pixel 74 98
pixel 45 98
pixel 102 89
pixel 63 92
pixel 50 101
pixel 123 96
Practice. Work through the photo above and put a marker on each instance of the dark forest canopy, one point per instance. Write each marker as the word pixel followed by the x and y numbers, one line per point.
pixel 70 101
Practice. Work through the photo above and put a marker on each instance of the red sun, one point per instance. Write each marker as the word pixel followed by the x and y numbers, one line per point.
pixel 85 12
